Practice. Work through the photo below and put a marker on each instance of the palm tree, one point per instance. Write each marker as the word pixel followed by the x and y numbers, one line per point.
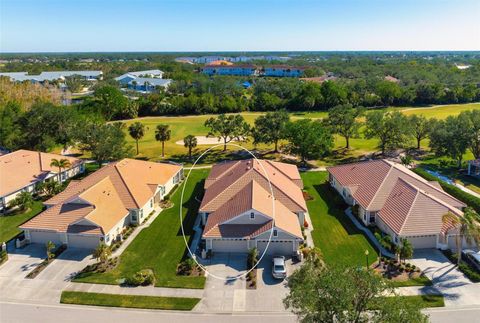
pixel 406 160
pixel 190 142
pixel 162 133
pixel 62 163
pixel 24 201
pixel 136 131
pixel 50 246
pixel 468 227
pixel 406 249
pixel 385 241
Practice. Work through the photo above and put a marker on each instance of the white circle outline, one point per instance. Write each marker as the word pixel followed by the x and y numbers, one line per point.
pixel 192 255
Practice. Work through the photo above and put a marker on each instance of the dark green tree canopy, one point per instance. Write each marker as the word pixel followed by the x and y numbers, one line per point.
pixel 390 128
pixel 270 128
pixel 343 120
pixel 228 128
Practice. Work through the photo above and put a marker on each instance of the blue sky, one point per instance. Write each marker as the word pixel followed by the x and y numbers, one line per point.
pixel 232 25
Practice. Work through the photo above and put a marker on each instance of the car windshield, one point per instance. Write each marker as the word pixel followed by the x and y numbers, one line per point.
pixel 279 268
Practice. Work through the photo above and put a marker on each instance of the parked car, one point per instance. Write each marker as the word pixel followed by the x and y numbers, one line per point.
pixel 473 257
pixel 279 270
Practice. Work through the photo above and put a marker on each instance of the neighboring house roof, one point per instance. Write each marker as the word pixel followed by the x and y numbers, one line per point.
pixel 49 76
pixel 226 179
pixel 24 167
pixel 103 198
pixel 400 196
pixel 252 194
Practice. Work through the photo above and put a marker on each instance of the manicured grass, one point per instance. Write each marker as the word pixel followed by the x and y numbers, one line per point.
pixel 132 301
pixel 9 223
pixel 334 233
pixel 161 246
pixel 419 281
pixel 425 301
pixel 182 126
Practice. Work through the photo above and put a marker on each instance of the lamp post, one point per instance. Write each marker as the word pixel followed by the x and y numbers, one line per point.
pixel 366 256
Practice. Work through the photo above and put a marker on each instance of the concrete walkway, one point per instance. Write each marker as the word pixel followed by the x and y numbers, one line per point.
pixel 141 290
pixel 369 233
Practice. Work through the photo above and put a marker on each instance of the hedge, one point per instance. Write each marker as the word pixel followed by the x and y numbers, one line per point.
pixel 466 198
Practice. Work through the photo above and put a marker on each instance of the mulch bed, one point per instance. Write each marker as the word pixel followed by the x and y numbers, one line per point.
pixel 37 270
pixel 252 279
pixel 393 272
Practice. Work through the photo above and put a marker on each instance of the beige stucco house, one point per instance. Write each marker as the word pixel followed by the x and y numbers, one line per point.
pixel 22 170
pixel 99 207
pixel 239 212
pixel 398 201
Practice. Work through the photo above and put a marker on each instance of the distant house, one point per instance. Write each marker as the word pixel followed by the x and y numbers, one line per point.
pixel 143 81
pixel 233 70
pixel 239 212
pixel 99 207
pixel 52 76
pixel 22 170
pixel 474 168
pixel 398 201
pixel 392 79
pixel 283 71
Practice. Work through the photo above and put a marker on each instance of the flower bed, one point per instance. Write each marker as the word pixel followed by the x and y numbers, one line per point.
pixel 189 267
pixel 37 270
pixel 401 274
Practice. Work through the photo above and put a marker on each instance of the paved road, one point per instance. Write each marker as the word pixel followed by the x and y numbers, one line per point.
pixel 457 315
pixel 22 312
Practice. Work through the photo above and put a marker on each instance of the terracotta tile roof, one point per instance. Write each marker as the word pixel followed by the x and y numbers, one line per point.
pixel 238 230
pixel 24 167
pixel 247 194
pixel 105 196
pixel 406 202
pixel 411 211
pixel 231 177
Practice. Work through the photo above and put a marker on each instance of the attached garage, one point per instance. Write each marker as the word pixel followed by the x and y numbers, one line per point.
pixel 276 247
pixel 233 245
pixel 83 241
pixel 423 242
pixel 44 236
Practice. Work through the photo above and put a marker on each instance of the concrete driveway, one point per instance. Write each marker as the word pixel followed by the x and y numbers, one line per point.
pixel 48 285
pixel 457 289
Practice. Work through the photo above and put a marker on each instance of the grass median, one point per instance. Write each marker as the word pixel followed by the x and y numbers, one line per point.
pixel 129 301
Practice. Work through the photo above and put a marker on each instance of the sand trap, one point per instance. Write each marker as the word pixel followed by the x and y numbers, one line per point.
pixel 203 140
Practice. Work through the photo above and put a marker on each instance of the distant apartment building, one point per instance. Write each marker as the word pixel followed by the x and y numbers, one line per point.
pixel 283 71
pixel 143 81
pixel 233 70
pixel 52 76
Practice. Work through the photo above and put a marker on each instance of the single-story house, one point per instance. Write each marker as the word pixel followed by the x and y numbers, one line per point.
pixel 99 207
pixel 399 202
pixel 52 76
pixel 239 212
pixel 22 170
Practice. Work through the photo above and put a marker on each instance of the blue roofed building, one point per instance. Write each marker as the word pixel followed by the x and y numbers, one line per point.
pixel 283 71
pixel 231 70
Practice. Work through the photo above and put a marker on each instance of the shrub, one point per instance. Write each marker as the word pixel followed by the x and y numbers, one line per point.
pixel 468 199
pixel 305 223
pixel 143 277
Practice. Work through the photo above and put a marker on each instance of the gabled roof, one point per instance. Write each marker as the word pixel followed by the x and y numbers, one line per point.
pixel 103 198
pixel 226 179
pixel 249 194
pixel 24 167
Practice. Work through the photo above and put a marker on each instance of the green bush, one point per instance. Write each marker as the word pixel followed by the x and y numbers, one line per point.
pixel 144 277
pixel 463 267
pixel 466 198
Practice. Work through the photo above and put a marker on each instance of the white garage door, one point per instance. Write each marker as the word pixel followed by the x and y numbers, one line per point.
pixel 282 247
pixel 44 236
pixel 86 242
pixel 230 245
pixel 423 242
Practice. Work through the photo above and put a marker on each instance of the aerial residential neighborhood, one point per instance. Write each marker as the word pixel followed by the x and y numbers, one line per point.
pixel 226 161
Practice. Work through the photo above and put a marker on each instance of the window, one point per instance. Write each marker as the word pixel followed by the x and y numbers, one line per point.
pixel 252 215
pixel 107 237
pixel 141 213
pixel 151 202
pixel 275 233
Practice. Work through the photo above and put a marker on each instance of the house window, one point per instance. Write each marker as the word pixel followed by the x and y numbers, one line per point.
pixel 141 213
pixel 344 193
pixel 396 239
pixel 151 202
pixel 372 217
pixel 275 233
pixel 252 215
pixel 134 218
pixel 107 238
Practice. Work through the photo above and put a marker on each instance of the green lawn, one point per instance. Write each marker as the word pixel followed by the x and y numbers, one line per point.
pixel 419 281
pixel 9 223
pixel 182 126
pixel 132 301
pixel 426 301
pixel 336 236
pixel 161 246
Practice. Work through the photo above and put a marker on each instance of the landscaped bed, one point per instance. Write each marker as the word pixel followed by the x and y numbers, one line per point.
pixel 401 275
pixel 161 246
pixel 131 301
pixel 37 270
pixel 334 233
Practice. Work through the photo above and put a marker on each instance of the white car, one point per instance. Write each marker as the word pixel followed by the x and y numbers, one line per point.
pixel 279 271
